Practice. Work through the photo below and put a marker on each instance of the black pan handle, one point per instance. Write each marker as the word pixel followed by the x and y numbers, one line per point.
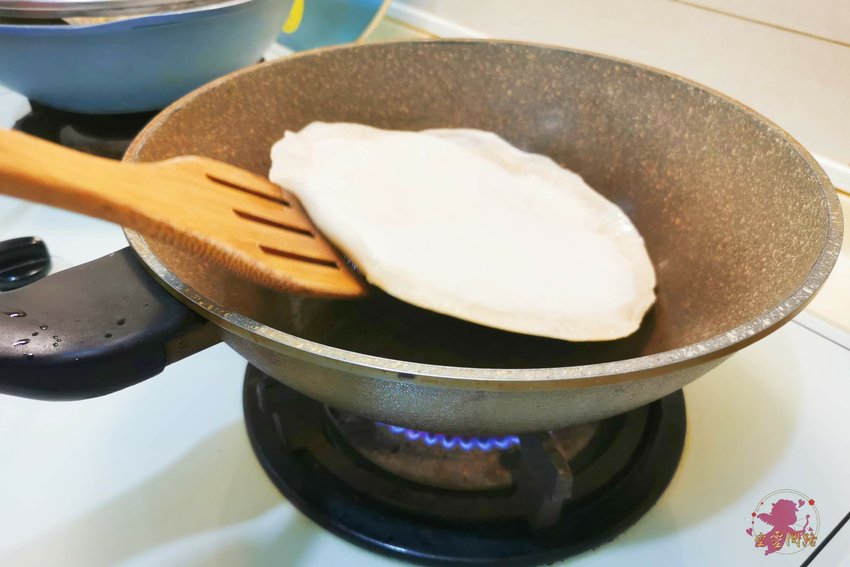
pixel 93 329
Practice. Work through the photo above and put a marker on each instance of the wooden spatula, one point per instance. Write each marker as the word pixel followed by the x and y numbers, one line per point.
pixel 232 217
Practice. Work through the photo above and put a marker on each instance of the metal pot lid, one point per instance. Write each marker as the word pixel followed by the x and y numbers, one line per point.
pixel 58 9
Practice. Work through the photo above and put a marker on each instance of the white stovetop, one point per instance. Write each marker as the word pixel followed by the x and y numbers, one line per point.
pixel 162 473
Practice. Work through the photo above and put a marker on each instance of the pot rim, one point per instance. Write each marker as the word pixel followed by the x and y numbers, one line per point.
pixel 126 10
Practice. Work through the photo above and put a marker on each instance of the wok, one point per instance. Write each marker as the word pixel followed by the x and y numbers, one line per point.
pixel 741 223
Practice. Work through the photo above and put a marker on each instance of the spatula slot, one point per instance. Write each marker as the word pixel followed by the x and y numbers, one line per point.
pixel 219 180
pixel 273 223
pixel 294 256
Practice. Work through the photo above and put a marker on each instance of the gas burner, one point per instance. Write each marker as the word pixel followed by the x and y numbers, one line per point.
pixel 450 442
pixel 454 462
pixel 452 499
pixel 105 136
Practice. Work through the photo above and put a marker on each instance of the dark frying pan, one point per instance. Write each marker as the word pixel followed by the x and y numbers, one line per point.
pixel 742 225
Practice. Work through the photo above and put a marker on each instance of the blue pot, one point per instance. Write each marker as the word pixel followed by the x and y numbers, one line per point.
pixel 138 64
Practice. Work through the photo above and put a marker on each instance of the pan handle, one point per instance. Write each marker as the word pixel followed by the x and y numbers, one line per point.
pixel 92 330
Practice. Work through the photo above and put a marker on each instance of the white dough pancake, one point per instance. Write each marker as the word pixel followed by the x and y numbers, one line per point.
pixel 465 224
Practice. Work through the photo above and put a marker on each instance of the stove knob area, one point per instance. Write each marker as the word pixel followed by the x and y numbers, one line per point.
pixel 22 262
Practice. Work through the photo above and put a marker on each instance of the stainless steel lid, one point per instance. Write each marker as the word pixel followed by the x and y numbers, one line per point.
pixel 57 9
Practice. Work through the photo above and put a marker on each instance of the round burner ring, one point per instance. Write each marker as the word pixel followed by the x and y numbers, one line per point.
pixel 611 483
pixel 445 461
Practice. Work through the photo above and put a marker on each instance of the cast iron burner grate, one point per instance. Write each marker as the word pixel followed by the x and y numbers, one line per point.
pixel 105 136
pixel 567 491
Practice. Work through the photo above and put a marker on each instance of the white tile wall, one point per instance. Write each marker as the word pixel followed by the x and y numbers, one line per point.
pixel 801 83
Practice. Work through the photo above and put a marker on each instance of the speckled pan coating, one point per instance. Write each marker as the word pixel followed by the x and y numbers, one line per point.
pixel 742 225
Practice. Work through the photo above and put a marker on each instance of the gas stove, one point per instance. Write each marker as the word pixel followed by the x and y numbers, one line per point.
pixel 209 464
pixel 451 499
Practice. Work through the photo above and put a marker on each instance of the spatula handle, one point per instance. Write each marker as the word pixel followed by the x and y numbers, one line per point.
pixel 44 172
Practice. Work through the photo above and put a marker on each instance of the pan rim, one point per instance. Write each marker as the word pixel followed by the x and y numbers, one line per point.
pixel 711 348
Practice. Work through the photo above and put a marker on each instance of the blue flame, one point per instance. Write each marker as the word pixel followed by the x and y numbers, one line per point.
pixel 453 441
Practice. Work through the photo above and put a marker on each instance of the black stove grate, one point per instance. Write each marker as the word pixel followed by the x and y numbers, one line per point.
pixel 102 135
pixel 608 486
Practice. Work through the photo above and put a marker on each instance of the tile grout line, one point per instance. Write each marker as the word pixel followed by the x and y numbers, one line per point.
pixel 410 27
pixel 430 23
pixel 824 329
pixel 763 23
